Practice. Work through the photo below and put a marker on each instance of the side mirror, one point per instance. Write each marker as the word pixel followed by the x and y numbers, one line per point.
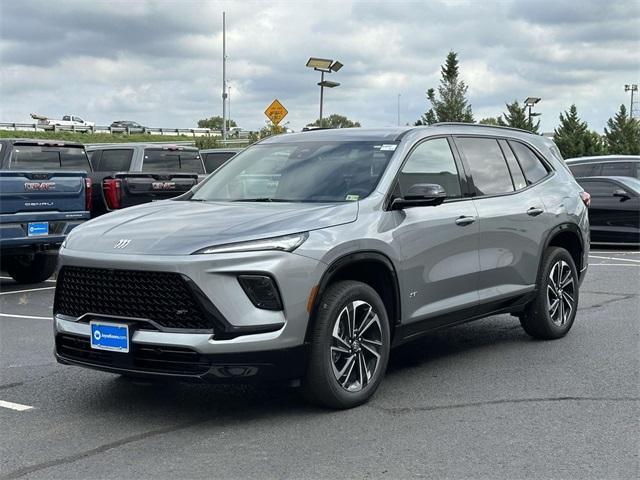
pixel 421 195
pixel 621 193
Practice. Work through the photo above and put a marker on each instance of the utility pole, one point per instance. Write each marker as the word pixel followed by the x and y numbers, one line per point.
pixel 224 77
pixel 229 115
pixel 631 88
pixel 321 96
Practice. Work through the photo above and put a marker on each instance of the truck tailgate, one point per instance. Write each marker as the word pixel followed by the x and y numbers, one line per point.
pixel 59 191
pixel 140 188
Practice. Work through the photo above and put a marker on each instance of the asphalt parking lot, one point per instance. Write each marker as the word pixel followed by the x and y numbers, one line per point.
pixel 481 400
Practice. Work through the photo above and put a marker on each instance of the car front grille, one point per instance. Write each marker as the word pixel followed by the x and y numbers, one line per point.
pixel 147 358
pixel 163 297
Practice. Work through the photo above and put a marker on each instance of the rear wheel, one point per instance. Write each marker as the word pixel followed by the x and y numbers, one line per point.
pixel 349 346
pixel 31 268
pixel 552 313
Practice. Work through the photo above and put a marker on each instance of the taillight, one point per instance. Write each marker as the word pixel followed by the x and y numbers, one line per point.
pixel 112 188
pixel 586 198
pixel 88 191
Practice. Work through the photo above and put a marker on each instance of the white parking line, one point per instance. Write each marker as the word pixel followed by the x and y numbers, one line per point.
pixel 27 291
pixel 614 265
pixel 615 258
pixel 15 406
pixel 31 317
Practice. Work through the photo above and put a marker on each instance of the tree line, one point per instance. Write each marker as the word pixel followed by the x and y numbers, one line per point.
pixel 572 136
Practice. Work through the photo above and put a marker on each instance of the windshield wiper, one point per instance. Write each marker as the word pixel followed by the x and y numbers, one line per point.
pixel 261 199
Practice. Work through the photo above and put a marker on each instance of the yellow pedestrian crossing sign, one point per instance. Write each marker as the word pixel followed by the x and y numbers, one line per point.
pixel 276 112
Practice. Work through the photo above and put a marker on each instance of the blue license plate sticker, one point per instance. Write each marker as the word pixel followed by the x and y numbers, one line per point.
pixel 35 229
pixel 110 336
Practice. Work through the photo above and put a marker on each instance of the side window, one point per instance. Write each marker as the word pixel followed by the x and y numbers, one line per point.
pixel 598 189
pixel 161 160
pixel 213 160
pixel 534 170
pixel 116 160
pixel 487 164
pixel 514 167
pixel 431 162
pixel 620 169
pixel 94 159
pixel 584 170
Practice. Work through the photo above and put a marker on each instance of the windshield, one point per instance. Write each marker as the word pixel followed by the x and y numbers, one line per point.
pixel 300 172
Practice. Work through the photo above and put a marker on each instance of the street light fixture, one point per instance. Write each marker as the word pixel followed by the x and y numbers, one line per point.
pixel 324 65
pixel 530 102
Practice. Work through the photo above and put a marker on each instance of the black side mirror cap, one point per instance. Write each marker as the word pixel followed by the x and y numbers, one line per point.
pixel 421 195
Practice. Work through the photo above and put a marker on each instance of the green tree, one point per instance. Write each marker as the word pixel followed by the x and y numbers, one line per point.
pixel 573 137
pixel 335 121
pixel 451 104
pixel 489 121
pixel 622 134
pixel 268 130
pixel 516 116
pixel 214 123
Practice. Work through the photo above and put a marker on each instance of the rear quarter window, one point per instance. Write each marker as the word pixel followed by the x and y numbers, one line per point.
pixel 584 170
pixel 533 168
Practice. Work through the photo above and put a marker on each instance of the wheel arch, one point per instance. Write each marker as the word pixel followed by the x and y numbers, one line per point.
pixel 567 236
pixel 371 267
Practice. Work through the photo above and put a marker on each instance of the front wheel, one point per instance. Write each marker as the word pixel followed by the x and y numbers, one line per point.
pixel 552 312
pixel 349 346
pixel 31 268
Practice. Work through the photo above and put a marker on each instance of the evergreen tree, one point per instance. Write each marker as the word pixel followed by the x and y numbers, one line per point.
pixel 516 116
pixel 622 134
pixel 451 104
pixel 573 137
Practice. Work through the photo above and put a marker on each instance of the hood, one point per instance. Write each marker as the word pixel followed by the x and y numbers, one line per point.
pixel 183 227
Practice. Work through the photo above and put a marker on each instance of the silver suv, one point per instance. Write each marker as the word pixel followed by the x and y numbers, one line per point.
pixel 310 255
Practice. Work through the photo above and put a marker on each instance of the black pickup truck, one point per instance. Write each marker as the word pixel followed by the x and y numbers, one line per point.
pixel 44 193
pixel 131 174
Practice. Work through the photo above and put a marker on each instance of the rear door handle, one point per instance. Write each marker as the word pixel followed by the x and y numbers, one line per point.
pixel 534 211
pixel 464 221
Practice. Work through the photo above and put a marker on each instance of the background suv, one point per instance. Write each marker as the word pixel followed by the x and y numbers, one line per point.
pixel 310 255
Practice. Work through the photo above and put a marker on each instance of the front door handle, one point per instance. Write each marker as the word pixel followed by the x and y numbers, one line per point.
pixel 534 211
pixel 464 221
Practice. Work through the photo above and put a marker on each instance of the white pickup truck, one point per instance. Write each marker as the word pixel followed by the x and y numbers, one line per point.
pixel 66 121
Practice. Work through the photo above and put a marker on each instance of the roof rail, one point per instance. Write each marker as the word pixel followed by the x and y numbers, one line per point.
pixel 458 124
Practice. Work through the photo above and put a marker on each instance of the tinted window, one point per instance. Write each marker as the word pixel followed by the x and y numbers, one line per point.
pixel 320 171
pixel 191 162
pixel 620 169
pixel 534 170
pixel 48 158
pixel 94 158
pixel 584 170
pixel 599 189
pixel 160 160
pixel 488 166
pixel 116 160
pixel 514 167
pixel 213 160
pixel 431 162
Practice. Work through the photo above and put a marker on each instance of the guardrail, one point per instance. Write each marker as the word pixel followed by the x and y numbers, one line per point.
pixel 195 132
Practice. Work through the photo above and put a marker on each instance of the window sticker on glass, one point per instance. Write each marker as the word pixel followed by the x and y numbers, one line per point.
pixel 353 198
pixel 391 147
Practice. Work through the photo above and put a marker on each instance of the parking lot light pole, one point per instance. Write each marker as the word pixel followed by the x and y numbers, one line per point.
pixel 324 65
pixel 530 102
pixel 631 88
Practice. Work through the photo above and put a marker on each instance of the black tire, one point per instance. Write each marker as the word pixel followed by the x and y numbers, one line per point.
pixel 31 269
pixel 320 385
pixel 539 319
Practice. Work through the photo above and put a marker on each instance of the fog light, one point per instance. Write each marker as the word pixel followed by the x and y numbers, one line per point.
pixel 261 290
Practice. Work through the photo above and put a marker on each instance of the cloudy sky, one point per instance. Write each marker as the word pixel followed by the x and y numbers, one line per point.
pixel 159 62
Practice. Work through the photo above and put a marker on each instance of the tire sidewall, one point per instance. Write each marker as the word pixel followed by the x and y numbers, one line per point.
pixel 327 315
pixel 556 255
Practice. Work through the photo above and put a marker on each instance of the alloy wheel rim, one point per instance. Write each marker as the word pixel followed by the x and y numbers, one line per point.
pixel 356 346
pixel 560 293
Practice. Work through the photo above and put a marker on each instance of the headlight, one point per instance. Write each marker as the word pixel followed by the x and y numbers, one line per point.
pixel 287 243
